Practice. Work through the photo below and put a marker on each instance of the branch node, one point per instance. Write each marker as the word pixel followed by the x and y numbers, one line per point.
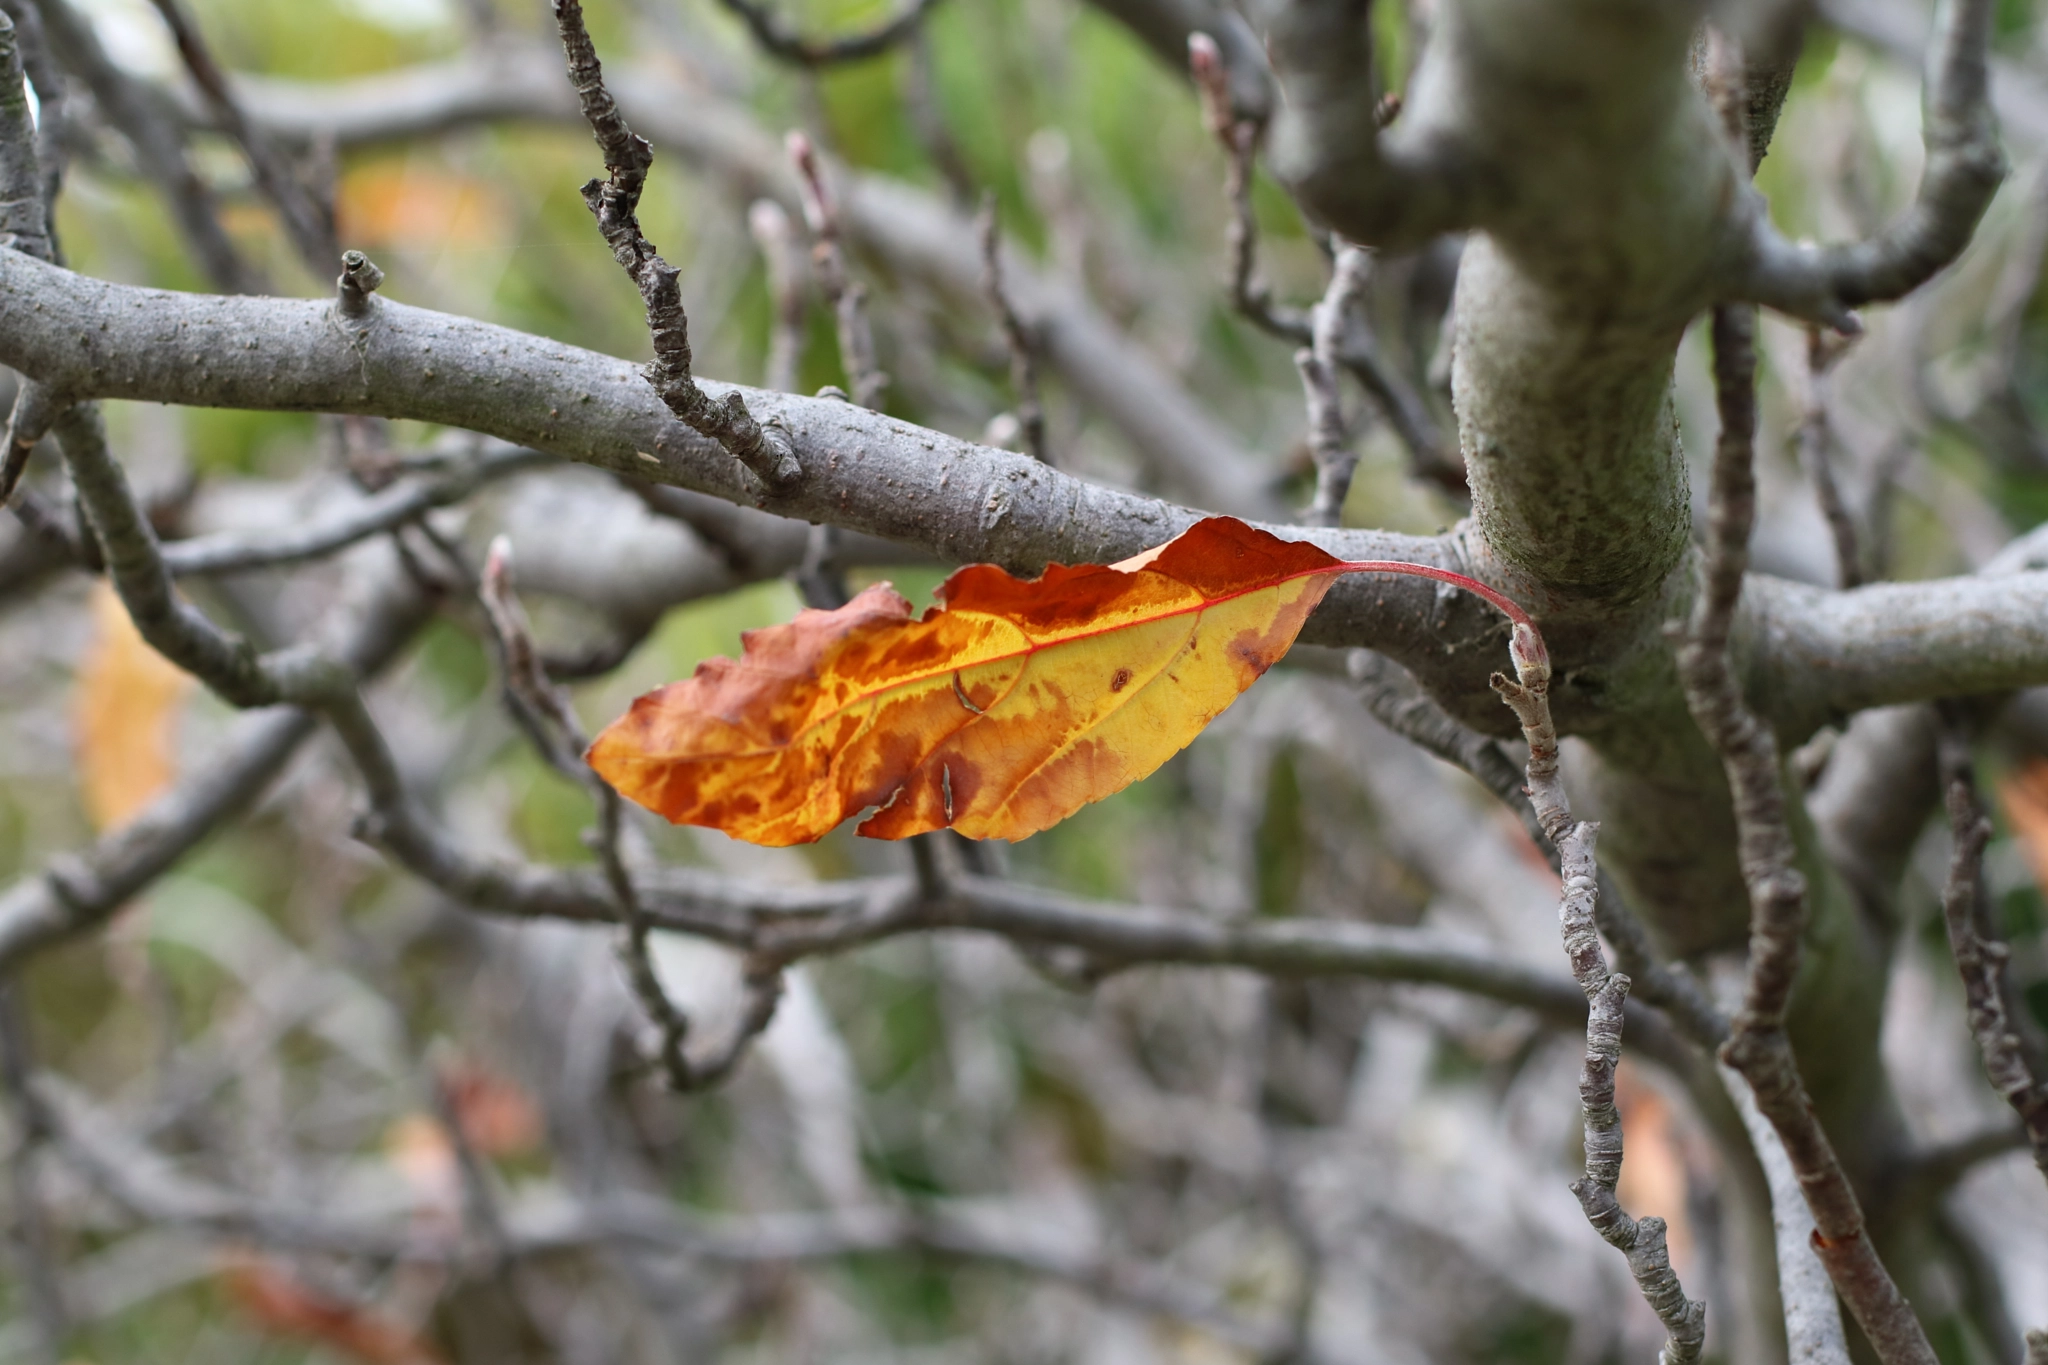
pixel 357 282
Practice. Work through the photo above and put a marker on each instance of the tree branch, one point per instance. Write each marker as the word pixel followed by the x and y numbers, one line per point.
pixel 1980 956
pixel 159 147
pixel 1965 166
pixel 1758 1047
pixel 1813 1318
pixel 615 204
pixel 308 219
pixel 910 232
pixel 785 44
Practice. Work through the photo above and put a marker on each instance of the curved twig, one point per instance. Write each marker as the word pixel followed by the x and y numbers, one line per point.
pixel 779 40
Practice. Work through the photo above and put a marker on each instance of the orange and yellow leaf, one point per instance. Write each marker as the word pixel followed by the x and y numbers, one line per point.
pixel 124 716
pixel 997 714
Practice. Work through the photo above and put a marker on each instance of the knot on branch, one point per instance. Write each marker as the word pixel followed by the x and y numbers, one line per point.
pixel 358 280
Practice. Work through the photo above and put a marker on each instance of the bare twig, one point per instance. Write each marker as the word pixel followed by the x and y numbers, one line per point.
pixel 1758 1047
pixel 780 41
pixel 53 119
pixel 150 1187
pixel 25 226
pixel 1641 1240
pixel 1239 136
pixel 845 295
pixel 1816 452
pixel 1329 436
pixel 159 144
pixel 1980 956
pixel 1349 341
pixel 24 215
pixel 1016 336
pixel 1401 705
pixel 783 263
pixel 308 219
pixel 1813 1318
pixel 615 203
pixel 549 719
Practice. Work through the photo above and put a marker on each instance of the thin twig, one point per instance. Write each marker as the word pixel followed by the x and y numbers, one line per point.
pixel 1817 453
pixel 159 143
pixel 1351 342
pixel 1016 336
pixel 1329 436
pixel 53 119
pixel 549 719
pixel 780 41
pixel 1964 168
pixel 1240 137
pixel 1641 1240
pixel 846 296
pixel 308 219
pixel 783 264
pixel 1980 956
pixel 1399 703
pixel 1757 1046
pixel 1813 1316
pixel 615 203
pixel 24 214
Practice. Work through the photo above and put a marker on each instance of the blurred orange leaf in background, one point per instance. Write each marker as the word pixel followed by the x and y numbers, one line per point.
pixel 2024 795
pixel 401 204
pixel 276 1301
pixel 997 714
pixel 497 1115
pixel 124 716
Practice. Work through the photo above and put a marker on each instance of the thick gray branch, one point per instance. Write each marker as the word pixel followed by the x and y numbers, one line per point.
pixel 862 470
pixel 910 232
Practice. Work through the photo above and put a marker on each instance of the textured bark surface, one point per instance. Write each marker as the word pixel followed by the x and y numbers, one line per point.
pixel 1597 156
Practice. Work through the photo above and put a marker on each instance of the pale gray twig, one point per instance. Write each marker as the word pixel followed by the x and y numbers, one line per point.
pixel 24 217
pixel 1817 454
pixel 308 218
pixel 1641 1240
pixel 549 719
pixel 1394 698
pixel 1330 439
pixel 846 296
pixel 54 125
pixel 782 263
pixel 160 152
pixel 783 43
pixel 1813 1318
pixel 1964 168
pixel 1017 338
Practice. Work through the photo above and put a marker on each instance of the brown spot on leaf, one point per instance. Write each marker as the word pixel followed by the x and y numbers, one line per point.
pixel 1120 680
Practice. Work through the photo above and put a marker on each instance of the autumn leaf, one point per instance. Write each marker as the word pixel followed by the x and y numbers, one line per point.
pixel 124 712
pixel 2024 794
pixel 997 714
pixel 406 205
